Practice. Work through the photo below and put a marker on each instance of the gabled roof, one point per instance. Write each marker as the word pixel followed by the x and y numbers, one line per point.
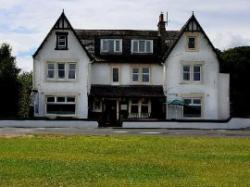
pixel 64 24
pixel 189 27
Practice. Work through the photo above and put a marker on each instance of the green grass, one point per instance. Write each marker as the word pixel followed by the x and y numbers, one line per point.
pixel 124 161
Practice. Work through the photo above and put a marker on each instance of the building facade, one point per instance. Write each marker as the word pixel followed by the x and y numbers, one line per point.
pixel 116 75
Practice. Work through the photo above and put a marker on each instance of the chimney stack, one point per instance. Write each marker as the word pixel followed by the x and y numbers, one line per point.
pixel 161 24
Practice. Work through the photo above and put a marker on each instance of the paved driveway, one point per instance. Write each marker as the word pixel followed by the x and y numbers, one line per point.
pixel 12 132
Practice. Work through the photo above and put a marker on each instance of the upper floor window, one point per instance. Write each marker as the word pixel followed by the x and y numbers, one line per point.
pixel 141 74
pixel 61 71
pixel 111 45
pixel 192 43
pixel 191 72
pixel 61 41
pixel 115 74
pixel 142 46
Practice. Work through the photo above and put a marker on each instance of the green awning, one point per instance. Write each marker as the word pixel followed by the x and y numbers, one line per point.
pixel 176 102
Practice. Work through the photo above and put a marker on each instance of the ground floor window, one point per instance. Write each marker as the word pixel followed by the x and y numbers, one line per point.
pixel 192 107
pixel 61 105
pixel 139 108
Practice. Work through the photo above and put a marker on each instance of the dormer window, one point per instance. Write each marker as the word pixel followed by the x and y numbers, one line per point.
pixel 61 41
pixel 111 46
pixel 142 46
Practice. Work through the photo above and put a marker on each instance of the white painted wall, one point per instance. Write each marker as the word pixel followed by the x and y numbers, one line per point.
pixel 78 88
pixel 173 83
pixel 101 73
pixel 224 98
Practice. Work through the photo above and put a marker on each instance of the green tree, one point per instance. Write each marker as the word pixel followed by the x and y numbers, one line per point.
pixel 25 80
pixel 236 61
pixel 9 84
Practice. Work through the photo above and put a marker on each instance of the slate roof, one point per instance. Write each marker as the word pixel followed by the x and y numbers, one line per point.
pixel 126 91
pixel 91 40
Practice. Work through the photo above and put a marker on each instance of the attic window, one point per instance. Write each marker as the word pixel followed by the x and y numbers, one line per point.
pixel 111 45
pixel 61 41
pixel 191 42
pixel 142 46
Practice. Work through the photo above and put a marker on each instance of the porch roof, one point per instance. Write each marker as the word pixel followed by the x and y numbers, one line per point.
pixel 126 91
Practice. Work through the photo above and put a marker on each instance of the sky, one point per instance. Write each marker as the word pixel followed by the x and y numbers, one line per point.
pixel 25 23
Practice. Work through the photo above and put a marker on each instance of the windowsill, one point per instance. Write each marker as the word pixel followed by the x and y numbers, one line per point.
pixel 140 83
pixel 60 115
pixel 61 80
pixel 192 50
pixel 137 53
pixel 110 53
pixel 63 49
pixel 192 82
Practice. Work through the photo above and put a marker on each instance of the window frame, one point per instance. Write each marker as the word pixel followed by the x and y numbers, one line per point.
pixel 137 51
pixel 56 71
pixel 112 75
pixel 114 47
pixel 201 105
pixel 56 102
pixel 140 74
pixel 192 72
pixel 140 103
pixel 58 46
pixel 196 37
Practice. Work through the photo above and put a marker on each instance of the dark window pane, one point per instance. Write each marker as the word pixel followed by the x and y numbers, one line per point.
pixel 134 109
pixel 148 47
pixel 145 77
pixel 135 74
pixel 70 99
pixel 61 70
pixel 141 46
pixel 191 43
pixel 61 109
pixel 72 71
pixel 197 73
pixel 192 111
pixel 115 75
pixel 117 46
pixel 50 99
pixel 186 73
pixel 60 99
pixel 144 109
pixel 135 46
pixel 197 76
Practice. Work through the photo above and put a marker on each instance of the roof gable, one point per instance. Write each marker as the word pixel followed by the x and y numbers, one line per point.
pixel 192 25
pixel 62 23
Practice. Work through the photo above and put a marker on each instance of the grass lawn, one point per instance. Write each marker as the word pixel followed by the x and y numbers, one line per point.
pixel 124 161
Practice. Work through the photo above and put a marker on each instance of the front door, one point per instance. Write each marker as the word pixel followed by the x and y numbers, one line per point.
pixel 109 114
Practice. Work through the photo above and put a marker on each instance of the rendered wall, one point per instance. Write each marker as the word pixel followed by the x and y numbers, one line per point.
pixel 78 88
pixel 224 98
pixel 173 83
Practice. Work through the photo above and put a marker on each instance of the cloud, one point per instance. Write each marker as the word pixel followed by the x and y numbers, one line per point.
pixel 24 24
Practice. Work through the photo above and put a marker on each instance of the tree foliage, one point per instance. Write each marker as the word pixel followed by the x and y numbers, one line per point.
pixel 236 61
pixel 25 80
pixel 9 84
